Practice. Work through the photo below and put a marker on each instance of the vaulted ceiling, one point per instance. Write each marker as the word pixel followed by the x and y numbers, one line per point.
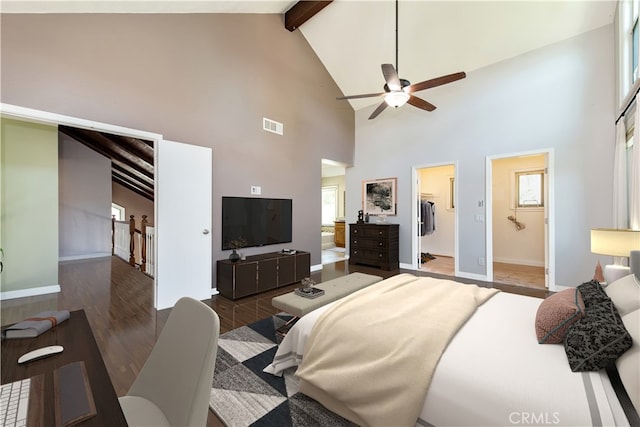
pixel 352 38
pixel 131 158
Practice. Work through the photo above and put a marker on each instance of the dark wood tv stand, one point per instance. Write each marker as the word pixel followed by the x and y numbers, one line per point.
pixel 259 273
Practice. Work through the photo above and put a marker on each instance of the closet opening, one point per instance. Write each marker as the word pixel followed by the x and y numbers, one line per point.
pixel 436 219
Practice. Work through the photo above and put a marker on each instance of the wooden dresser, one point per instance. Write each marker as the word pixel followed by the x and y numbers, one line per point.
pixel 339 236
pixel 374 244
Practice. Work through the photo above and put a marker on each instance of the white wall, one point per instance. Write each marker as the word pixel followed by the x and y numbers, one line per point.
pixel 85 201
pixel 560 96
pixel 29 216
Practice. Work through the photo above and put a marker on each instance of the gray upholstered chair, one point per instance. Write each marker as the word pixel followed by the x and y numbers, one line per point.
pixel 174 386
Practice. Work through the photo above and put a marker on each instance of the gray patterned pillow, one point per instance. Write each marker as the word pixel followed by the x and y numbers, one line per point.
pixel 592 293
pixel 597 340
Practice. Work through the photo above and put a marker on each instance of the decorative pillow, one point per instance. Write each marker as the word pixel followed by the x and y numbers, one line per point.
pixel 625 294
pixel 556 313
pixel 597 340
pixel 629 363
pixel 592 293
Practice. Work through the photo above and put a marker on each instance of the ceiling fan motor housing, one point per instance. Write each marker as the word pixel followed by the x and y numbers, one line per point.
pixel 403 83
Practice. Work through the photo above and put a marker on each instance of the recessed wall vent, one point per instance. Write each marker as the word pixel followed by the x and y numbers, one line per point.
pixel 272 126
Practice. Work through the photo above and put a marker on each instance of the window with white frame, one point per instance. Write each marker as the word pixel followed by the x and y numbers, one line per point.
pixel 529 187
pixel 629 45
pixel 117 211
pixel 329 204
pixel 628 48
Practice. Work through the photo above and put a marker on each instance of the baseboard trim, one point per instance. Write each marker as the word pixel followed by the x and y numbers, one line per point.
pixel 528 263
pixel 31 292
pixel 472 276
pixel 84 256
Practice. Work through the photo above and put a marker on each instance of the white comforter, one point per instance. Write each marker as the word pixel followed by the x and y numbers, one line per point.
pixel 494 373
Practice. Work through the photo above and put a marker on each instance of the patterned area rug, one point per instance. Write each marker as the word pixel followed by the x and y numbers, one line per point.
pixel 243 395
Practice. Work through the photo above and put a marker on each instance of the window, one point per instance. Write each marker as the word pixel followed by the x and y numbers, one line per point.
pixel 329 204
pixel 629 45
pixel 117 211
pixel 530 189
pixel 634 51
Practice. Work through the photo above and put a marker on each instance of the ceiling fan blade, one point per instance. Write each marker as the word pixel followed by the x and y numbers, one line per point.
pixel 367 95
pixel 420 103
pixel 391 77
pixel 438 81
pixel 378 110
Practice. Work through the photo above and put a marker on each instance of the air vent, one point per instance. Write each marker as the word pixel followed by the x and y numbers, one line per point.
pixel 272 126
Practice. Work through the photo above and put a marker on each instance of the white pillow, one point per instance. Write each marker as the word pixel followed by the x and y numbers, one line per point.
pixel 629 363
pixel 625 294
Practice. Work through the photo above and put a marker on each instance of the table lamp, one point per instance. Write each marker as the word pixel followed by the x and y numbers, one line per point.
pixel 614 242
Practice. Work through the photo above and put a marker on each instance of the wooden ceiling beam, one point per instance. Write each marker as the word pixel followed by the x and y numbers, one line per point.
pixel 301 12
pixel 134 184
pixel 133 188
pixel 131 158
pixel 138 147
pixel 134 174
pixel 108 148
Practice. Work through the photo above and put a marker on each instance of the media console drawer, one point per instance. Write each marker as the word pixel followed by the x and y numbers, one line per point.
pixel 374 244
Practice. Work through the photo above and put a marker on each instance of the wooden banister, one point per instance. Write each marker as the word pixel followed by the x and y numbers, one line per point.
pixel 113 234
pixel 143 244
pixel 132 246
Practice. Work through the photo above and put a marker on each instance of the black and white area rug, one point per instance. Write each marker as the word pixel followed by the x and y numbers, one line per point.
pixel 243 395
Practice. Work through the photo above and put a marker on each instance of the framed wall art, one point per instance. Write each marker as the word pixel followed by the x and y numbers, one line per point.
pixel 379 196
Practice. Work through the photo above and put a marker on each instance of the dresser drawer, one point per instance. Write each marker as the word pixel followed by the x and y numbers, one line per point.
pixel 358 242
pixel 370 255
pixel 371 231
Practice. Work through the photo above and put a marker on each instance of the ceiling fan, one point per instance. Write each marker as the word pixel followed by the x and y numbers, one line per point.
pixel 399 91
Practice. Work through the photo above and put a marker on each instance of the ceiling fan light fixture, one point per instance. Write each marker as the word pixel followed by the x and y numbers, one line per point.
pixel 396 99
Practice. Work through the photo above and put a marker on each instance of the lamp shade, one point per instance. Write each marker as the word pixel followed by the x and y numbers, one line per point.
pixel 396 98
pixel 614 242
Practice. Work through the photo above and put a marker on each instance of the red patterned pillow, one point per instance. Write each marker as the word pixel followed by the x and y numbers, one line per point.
pixel 556 313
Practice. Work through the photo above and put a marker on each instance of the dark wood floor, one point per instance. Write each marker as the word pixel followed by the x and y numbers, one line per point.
pixel 118 300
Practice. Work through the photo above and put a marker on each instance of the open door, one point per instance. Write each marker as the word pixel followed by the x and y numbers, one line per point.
pixel 183 220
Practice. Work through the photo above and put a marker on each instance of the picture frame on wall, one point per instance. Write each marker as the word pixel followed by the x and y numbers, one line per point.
pixel 379 196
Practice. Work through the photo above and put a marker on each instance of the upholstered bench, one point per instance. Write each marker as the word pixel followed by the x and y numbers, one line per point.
pixel 333 289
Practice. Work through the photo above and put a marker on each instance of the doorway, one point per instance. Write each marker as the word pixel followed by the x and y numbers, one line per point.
pixel 518 226
pixel 436 219
pixel 173 250
pixel 332 225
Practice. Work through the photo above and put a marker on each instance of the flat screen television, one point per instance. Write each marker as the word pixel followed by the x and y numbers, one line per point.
pixel 257 221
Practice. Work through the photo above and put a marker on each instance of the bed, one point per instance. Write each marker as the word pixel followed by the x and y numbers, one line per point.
pixel 492 371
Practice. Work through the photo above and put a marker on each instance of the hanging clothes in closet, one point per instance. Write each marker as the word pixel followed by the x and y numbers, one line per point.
pixel 428 215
